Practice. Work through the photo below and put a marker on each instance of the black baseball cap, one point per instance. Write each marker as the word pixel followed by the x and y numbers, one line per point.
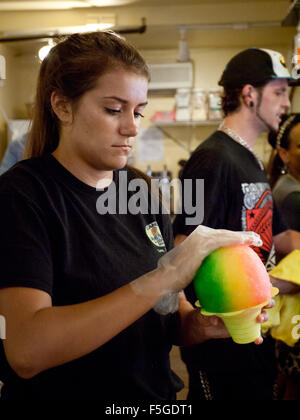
pixel 255 66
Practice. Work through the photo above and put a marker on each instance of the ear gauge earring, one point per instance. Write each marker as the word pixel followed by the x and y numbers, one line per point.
pixel 251 104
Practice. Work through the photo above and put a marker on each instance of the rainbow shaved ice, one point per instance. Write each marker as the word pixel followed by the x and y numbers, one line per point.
pixel 232 283
pixel 231 279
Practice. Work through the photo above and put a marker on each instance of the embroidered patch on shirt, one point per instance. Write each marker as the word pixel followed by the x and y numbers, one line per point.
pixel 155 236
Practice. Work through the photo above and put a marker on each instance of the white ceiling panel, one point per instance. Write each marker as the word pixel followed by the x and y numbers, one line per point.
pixel 208 22
pixel 59 4
pixel 14 5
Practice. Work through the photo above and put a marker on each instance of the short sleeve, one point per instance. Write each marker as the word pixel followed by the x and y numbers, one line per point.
pixel 291 211
pixel 279 220
pixel 25 251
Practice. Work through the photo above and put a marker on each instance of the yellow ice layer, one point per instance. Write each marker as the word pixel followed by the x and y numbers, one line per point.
pixel 284 317
pixel 289 268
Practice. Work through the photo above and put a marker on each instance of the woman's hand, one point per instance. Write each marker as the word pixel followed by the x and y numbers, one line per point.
pixel 263 317
pixel 286 242
pixel 196 328
pixel 285 287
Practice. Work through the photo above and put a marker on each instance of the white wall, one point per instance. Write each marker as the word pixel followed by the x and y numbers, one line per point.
pixel 208 62
pixel 7 95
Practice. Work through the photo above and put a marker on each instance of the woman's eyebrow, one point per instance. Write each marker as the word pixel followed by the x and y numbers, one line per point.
pixel 116 98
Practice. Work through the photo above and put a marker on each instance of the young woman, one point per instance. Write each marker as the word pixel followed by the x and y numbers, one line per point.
pixel 284 173
pixel 284 169
pixel 78 284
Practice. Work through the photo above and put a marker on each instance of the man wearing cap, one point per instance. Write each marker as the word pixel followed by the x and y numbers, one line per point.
pixel 238 197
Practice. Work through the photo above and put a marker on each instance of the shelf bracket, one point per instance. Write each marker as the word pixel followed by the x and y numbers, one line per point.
pixel 178 142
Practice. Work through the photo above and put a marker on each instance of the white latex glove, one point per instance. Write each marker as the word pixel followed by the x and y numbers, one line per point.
pixel 181 263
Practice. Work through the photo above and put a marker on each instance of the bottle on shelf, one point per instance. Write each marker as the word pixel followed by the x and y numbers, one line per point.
pixel 296 57
pixel 165 178
pixel 149 171
pixel 199 105
pixel 214 104
pixel 165 189
pixel 183 104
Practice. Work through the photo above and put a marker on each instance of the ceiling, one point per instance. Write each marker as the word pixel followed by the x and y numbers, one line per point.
pixel 209 23
pixel 66 4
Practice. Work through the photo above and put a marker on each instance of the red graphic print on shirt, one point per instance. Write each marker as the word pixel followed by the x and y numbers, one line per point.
pixel 257 216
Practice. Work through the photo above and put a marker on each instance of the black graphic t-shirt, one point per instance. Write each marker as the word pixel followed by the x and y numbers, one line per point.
pixel 237 197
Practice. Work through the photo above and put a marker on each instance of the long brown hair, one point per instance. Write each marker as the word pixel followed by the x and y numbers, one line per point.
pixel 72 68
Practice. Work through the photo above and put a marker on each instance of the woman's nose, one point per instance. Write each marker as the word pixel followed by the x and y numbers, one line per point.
pixel 129 126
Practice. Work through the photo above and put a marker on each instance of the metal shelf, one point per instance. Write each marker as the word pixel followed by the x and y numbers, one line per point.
pixel 206 123
pixel 191 125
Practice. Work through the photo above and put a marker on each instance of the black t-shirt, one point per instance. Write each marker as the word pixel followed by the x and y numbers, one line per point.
pixel 237 197
pixel 291 210
pixel 54 239
pixel 287 197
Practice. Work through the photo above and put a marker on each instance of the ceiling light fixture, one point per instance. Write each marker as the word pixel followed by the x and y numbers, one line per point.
pixel 108 3
pixel 18 5
pixel 44 51
pixel 2 70
pixel 41 5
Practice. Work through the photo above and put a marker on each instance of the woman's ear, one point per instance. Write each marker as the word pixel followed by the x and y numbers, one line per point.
pixel 284 155
pixel 61 107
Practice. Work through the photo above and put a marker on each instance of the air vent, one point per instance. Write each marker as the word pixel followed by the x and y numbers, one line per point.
pixel 171 76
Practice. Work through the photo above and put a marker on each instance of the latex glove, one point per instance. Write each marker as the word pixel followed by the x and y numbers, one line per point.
pixel 179 265
pixel 182 262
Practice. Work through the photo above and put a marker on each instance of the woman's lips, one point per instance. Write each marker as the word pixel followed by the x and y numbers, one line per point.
pixel 124 147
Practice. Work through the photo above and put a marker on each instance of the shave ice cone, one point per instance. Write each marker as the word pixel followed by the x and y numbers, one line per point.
pixel 233 284
pixel 242 325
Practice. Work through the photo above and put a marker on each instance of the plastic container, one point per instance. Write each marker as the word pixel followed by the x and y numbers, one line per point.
pixel 183 105
pixel 296 58
pixel 183 98
pixel 214 105
pixel 199 105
